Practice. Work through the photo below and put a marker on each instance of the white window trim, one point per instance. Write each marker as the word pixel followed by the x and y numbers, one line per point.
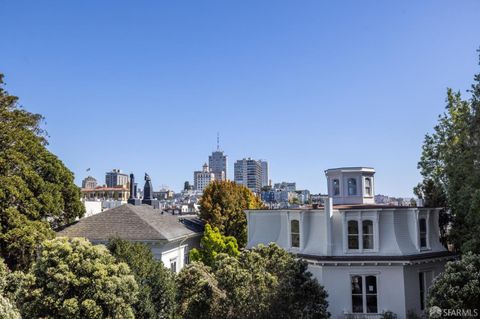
pixel 299 217
pixel 359 217
pixel 371 195
pixel 364 290
pixel 426 216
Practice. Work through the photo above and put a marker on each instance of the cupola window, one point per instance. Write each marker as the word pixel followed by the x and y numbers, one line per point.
pixel 352 186
pixel 368 187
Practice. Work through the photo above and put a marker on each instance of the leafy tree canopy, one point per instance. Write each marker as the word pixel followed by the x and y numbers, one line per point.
pixel 214 243
pixel 458 287
pixel 450 166
pixel 74 279
pixel 156 297
pixel 36 189
pixel 222 205
pixel 264 282
pixel 8 310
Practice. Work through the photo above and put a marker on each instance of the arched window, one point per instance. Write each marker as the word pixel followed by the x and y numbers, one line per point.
pixel 368 186
pixel 367 233
pixel 353 234
pixel 422 223
pixel 336 187
pixel 352 186
pixel 295 233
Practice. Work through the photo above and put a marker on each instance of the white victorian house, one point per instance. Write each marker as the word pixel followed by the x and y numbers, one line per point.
pixel 369 258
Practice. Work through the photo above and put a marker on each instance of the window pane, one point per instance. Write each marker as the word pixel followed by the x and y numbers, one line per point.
pixel 367 226
pixel 368 186
pixel 423 225
pixel 295 226
pixel 423 232
pixel 295 240
pixel 357 285
pixel 422 290
pixel 372 304
pixel 357 303
pixel 371 284
pixel 423 242
pixel 367 241
pixel 353 234
pixel 352 227
pixel 353 242
pixel 352 186
pixel 336 187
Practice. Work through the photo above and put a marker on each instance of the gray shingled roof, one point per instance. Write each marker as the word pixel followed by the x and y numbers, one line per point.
pixel 129 222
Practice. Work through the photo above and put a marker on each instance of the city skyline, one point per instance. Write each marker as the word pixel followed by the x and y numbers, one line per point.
pixel 307 86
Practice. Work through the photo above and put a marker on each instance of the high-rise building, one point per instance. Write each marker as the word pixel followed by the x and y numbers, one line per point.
pixel 264 165
pixel 218 163
pixel 202 178
pixel 248 172
pixel 89 183
pixel 116 178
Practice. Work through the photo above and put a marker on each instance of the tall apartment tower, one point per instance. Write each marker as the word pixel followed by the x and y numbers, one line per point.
pixel 202 178
pixel 248 172
pixel 264 165
pixel 218 163
pixel 116 178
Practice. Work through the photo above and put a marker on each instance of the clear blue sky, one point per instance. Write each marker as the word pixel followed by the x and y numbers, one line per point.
pixel 306 85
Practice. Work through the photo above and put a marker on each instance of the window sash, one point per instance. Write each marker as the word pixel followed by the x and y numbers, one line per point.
pixel 364 294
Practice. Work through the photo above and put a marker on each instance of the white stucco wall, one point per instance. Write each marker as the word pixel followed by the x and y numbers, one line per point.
pixel 337 282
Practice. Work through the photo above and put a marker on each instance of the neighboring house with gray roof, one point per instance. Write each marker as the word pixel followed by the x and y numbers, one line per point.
pixel 170 237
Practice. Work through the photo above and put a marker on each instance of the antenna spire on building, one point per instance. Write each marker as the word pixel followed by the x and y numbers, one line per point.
pixel 218 141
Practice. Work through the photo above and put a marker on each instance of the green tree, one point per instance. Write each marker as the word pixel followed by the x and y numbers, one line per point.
pixel 198 295
pixel 458 287
pixel 8 310
pixel 156 296
pixel 264 282
pixel 214 243
pixel 450 166
pixel 222 205
pixel 74 279
pixel 36 189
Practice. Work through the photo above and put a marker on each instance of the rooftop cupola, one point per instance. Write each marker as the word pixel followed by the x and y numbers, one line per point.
pixel 351 185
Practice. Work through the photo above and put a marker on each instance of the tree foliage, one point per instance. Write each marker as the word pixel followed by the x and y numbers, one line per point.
pixel 214 243
pixel 458 287
pixel 74 279
pixel 156 296
pixel 36 189
pixel 450 166
pixel 8 310
pixel 222 205
pixel 264 282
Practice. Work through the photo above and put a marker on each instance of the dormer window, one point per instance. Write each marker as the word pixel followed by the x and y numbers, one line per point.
pixel 361 234
pixel 295 233
pixel 422 225
pixel 336 187
pixel 353 233
pixel 368 187
pixel 352 186
pixel 367 229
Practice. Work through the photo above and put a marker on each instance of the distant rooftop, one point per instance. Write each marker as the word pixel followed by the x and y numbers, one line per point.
pixel 351 169
pixel 137 223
